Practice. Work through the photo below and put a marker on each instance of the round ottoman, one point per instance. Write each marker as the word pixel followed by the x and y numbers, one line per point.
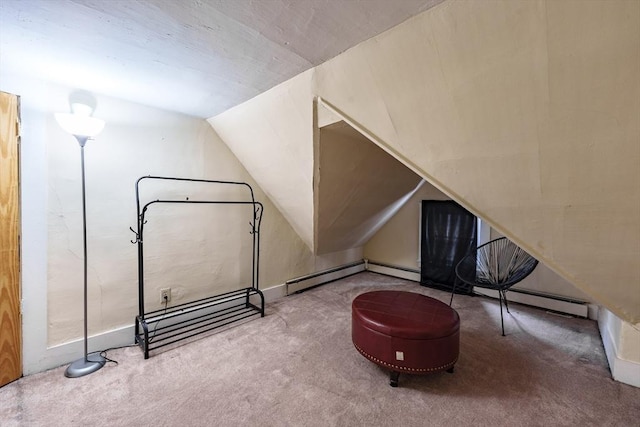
pixel 405 332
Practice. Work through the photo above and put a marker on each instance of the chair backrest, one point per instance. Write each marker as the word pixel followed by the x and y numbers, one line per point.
pixel 497 264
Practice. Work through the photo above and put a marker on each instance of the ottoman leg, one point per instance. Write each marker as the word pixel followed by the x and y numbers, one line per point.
pixel 394 379
pixel 450 370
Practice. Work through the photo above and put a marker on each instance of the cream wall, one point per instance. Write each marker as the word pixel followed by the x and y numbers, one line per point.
pixel 524 112
pixel 136 141
pixel 271 135
pixel 397 242
pixel 357 188
pixel 527 113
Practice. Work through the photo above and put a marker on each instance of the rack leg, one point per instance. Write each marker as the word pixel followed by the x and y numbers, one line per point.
pixel 261 305
pixel 145 332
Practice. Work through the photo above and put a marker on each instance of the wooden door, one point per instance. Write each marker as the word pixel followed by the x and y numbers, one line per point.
pixel 10 320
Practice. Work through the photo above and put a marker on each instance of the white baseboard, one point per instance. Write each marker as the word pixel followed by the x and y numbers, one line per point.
pixel 275 292
pixel 622 370
pixel 66 353
pixel 625 371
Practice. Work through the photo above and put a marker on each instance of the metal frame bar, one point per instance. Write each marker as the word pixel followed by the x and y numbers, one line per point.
pixel 186 320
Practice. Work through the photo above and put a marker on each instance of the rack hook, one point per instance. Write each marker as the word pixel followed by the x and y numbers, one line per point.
pixel 257 217
pixel 137 236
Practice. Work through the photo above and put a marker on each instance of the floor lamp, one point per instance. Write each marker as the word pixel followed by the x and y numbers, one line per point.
pixel 83 127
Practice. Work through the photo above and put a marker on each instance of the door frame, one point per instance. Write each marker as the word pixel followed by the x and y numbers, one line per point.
pixel 10 244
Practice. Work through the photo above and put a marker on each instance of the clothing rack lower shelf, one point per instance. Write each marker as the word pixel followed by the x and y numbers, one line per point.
pixel 160 328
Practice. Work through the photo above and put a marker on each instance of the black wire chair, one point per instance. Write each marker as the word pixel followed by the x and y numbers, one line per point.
pixel 498 265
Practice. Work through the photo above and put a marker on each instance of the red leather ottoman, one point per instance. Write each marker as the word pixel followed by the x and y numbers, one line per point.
pixel 405 332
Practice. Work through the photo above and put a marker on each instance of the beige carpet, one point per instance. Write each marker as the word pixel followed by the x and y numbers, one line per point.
pixel 297 367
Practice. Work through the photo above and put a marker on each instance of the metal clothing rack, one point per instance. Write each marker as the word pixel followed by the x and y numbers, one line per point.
pixel 187 320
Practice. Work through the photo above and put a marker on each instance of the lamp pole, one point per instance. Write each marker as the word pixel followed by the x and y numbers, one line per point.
pixel 84 366
pixel 83 127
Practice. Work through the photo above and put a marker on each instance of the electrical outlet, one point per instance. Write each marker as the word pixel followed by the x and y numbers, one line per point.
pixel 165 295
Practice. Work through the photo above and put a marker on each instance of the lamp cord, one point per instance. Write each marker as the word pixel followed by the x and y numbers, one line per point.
pixel 164 313
pixel 103 353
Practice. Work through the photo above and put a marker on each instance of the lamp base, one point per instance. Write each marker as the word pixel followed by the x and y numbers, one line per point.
pixel 85 366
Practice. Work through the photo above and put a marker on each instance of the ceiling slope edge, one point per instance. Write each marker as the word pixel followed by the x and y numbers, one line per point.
pixel 271 135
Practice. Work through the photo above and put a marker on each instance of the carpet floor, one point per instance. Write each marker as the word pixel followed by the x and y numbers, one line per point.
pixel 298 367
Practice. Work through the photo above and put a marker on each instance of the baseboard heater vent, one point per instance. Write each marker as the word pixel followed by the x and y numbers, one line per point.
pixel 305 282
pixel 550 302
pixel 393 270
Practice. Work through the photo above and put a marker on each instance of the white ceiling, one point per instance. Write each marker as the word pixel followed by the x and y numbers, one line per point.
pixel 198 57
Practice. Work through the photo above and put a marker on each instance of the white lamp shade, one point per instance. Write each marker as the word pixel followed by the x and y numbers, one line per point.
pixel 80 125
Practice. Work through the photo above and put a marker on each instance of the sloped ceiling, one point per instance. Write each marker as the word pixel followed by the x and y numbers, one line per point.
pixel 358 188
pixel 509 108
pixel 195 57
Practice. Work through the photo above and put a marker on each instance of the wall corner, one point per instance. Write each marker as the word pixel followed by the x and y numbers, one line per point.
pixel 621 342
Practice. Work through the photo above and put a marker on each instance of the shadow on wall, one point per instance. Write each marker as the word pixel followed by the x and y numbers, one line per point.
pixel 359 187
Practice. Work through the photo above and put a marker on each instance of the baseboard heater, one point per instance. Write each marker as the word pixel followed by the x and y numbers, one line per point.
pixel 305 282
pixel 536 299
pixel 393 270
pixel 550 302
